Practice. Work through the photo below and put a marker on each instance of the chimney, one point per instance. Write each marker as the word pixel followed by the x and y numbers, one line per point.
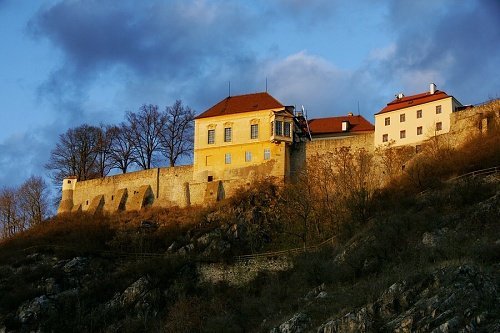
pixel 350 114
pixel 432 88
pixel 400 95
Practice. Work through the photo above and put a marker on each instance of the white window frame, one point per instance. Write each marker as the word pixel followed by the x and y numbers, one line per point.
pixel 279 127
pixel 227 158
pixel 248 156
pixel 387 121
pixel 211 136
pixel 228 134
pixel 287 129
pixel 254 131
pixel 385 137
pixel 267 154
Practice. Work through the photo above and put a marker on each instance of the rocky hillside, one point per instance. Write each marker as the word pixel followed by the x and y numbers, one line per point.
pixel 423 263
pixel 334 258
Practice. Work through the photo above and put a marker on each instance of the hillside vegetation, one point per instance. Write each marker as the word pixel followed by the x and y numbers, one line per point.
pixel 421 254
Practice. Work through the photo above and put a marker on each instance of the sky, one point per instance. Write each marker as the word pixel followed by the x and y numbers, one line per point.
pixel 68 62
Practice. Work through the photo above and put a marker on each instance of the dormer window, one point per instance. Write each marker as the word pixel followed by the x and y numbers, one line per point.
pixel 345 126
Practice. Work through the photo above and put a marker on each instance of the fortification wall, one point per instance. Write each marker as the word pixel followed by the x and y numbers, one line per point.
pixel 303 151
pixel 156 187
pixel 358 141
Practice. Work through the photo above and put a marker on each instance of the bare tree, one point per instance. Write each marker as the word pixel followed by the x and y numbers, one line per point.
pixel 393 159
pixel 146 127
pixel 177 138
pixel 105 137
pixel 122 153
pixel 33 200
pixel 10 219
pixel 75 154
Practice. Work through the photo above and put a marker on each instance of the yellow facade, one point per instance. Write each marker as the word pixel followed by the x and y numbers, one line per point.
pixel 414 124
pixel 243 145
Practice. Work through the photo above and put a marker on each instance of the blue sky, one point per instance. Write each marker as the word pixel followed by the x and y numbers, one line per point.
pixel 64 63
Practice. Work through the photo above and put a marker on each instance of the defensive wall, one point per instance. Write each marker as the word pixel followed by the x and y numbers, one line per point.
pixel 158 187
pixel 176 186
pixel 130 191
pixel 301 152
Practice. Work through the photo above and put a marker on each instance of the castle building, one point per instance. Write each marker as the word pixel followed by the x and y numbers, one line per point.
pixel 242 137
pixel 410 120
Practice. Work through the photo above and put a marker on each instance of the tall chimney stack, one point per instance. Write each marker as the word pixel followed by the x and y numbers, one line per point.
pixel 432 88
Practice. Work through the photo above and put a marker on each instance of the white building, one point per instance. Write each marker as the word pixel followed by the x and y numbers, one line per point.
pixel 410 120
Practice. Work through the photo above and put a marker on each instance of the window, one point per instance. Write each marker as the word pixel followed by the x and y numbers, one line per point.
pixel 272 128
pixel 419 113
pixel 402 134
pixel 279 127
pixel 248 156
pixel 418 149
pixel 439 126
pixel 387 121
pixel 211 136
pixel 402 118
pixel 254 131
pixel 419 130
pixel 438 109
pixel 227 134
pixel 385 137
pixel 210 178
pixel 267 154
pixel 287 129
pixel 228 158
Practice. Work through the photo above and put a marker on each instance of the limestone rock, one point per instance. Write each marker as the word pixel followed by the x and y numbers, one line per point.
pixel 31 311
pixel 76 264
pixel 300 322
pixel 448 300
pixel 353 322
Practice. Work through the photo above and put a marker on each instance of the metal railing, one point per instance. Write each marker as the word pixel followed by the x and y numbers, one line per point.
pixel 482 172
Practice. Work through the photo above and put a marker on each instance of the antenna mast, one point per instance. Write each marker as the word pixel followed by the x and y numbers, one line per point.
pixel 229 89
pixel 304 113
pixel 266 83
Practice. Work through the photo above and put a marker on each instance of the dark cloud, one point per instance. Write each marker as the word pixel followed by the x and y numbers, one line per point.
pixel 151 38
pixel 155 48
pixel 453 44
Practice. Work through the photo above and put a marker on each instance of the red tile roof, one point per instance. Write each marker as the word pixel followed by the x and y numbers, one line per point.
pixel 334 125
pixel 242 103
pixel 413 100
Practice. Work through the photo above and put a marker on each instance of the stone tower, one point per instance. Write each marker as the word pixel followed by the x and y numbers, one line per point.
pixel 68 187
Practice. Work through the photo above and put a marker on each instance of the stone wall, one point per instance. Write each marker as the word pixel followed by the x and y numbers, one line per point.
pixel 242 272
pixel 159 187
pixel 303 151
